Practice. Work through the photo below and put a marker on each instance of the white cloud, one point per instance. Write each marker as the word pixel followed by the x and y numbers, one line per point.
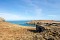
pixel 36 10
pixel 54 17
pixel 9 16
pixel 12 17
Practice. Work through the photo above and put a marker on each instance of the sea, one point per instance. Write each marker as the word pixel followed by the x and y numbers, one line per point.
pixel 22 22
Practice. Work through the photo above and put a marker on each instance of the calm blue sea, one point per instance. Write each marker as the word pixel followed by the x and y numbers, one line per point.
pixel 23 23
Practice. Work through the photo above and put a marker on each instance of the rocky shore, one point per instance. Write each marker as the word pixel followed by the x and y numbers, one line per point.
pixel 10 31
pixel 50 29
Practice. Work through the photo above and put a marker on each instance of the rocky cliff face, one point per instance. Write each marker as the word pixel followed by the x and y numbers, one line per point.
pixel 2 19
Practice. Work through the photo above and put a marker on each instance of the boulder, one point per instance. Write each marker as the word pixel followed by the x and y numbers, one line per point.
pixel 39 28
pixel 2 19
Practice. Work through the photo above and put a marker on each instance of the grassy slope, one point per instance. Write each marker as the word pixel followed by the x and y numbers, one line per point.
pixel 14 32
pixel 10 31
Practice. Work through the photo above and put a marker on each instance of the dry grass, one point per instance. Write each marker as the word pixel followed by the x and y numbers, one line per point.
pixel 15 32
pixel 10 31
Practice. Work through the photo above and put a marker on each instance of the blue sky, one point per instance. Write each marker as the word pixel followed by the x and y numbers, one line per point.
pixel 30 9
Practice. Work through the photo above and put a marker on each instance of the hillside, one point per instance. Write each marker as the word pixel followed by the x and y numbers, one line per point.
pixel 10 31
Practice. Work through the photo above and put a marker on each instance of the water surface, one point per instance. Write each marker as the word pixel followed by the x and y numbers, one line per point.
pixel 23 23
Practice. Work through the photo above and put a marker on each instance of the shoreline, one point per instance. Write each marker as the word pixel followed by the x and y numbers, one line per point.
pixel 17 25
pixel 9 31
pixel 21 23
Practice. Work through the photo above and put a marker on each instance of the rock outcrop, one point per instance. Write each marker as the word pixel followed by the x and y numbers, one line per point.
pixel 41 25
pixel 40 21
pixel 2 19
pixel 45 22
pixel 39 28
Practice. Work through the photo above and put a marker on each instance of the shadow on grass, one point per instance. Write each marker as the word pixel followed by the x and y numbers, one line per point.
pixel 38 29
pixel 34 31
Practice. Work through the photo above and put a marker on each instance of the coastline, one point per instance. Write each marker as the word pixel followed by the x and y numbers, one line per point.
pixel 18 25
pixel 9 31
pixel 22 23
pixel 7 24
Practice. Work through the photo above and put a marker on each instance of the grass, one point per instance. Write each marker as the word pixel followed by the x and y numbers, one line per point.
pixel 10 31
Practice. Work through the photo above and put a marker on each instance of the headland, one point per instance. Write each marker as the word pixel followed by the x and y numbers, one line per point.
pixel 9 31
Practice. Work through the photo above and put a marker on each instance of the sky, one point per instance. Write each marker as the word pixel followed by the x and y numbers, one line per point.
pixel 30 9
